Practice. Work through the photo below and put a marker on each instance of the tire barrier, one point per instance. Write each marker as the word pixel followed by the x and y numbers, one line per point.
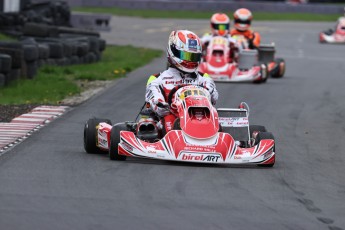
pixel 44 38
pixel 23 58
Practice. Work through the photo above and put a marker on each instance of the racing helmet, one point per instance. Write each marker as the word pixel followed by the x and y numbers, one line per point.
pixel 220 24
pixel 184 50
pixel 242 19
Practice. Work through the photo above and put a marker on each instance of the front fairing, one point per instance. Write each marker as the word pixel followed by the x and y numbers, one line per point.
pixel 199 127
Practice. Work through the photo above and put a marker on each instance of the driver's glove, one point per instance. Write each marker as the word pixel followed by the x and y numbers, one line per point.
pixel 160 107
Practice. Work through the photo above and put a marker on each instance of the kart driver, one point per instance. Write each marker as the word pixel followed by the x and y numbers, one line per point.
pixel 184 56
pixel 220 26
pixel 242 22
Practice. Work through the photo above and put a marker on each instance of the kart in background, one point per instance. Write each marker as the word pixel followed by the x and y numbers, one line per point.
pixel 200 134
pixel 336 36
pixel 221 67
pixel 266 55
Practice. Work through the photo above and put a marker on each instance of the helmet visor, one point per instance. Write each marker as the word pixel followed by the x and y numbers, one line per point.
pixel 239 21
pixel 220 26
pixel 184 55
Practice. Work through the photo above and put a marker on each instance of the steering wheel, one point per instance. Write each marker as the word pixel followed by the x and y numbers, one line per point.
pixel 173 91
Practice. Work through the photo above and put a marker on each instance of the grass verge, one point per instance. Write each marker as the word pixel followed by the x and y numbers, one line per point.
pixel 260 16
pixel 53 83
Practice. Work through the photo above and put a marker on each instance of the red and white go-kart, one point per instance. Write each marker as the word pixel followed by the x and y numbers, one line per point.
pixel 334 36
pixel 201 134
pixel 221 68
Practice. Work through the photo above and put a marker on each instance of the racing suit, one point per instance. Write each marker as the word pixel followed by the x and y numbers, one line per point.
pixel 159 86
pixel 206 38
pixel 253 38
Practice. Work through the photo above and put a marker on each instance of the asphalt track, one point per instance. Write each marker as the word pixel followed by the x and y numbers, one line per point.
pixel 49 182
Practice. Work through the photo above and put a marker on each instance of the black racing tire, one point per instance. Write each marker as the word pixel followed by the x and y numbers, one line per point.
pixel 90 134
pixel 74 60
pixel 2 80
pixel 82 49
pixel 11 45
pixel 16 54
pixel 13 75
pixel 31 52
pixel 91 58
pixel 62 61
pixel 43 50
pixel 114 142
pixel 51 61
pixel 31 69
pixel 56 49
pixel 265 136
pixel 102 44
pixel 35 29
pixel 279 70
pixel 67 49
pixel 264 73
pixel 94 44
pixel 5 63
pixel 79 32
pixel 98 56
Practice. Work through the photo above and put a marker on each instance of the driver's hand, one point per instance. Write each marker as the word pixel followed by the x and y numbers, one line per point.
pixel 163 104
pixel 161 107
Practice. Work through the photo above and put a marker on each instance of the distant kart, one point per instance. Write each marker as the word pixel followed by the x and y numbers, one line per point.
pixel 200 134
pixel 336 36
pixel 266 55
pixel 218 64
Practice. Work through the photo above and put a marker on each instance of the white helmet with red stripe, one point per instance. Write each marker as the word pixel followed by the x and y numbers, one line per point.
pixel 242 19
pixel 220 24
pixel 184 50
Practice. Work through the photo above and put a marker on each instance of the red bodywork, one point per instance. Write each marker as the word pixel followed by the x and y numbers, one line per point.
pixel 219 65
pixel 199 139
pixel 338 36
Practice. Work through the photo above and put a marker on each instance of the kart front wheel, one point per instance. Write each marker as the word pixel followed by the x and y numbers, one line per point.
pixel 265 136
pixel 90 134
pixel 279 69
pixel 264 73
pixel 114 142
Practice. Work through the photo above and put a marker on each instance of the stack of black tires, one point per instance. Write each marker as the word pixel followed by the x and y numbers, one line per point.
pixel 47 45
pixel 46 40
pixel 43 12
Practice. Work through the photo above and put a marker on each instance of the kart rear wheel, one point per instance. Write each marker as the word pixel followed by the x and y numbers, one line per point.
pixel 114 142
pixel 264 73
pixel 265 136
pixel 279 70
pixel 90 134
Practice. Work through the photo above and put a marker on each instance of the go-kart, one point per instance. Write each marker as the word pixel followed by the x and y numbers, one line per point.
pixel 266 55
pixel 334 36
pixel 222 68
pixel 200 134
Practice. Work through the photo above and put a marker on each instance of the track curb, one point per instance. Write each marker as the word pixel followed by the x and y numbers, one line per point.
pixel 23 126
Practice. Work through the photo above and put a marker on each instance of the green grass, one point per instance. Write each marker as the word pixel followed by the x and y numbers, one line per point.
pixel 207 15
pixel 52 84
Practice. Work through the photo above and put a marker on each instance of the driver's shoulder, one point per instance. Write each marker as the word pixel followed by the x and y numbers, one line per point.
pixel 204 75
pixel 152 78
